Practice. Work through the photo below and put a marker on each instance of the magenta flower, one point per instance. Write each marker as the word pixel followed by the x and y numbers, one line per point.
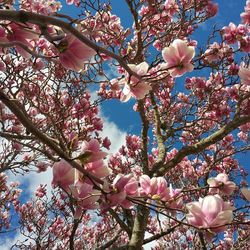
pixel 133 87
pixel 211 212
pixel 74 53
pixel 221 184
pixel 178 58
pixel 244 74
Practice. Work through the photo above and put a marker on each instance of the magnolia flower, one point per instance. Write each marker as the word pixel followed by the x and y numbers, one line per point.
pixel 246 193
pixel 74 53
pixel 98 168
pixel 123 185
pixel 133 87
pixel 86 197
pixel 211 212
pixel 158 189
pixel 221 184
pixel 244 74
pixel 22 35
pixel 178 58
pixel 64 175
pixel 91 152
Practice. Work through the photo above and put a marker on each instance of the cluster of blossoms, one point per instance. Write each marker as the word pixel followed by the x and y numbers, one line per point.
pixel 182 163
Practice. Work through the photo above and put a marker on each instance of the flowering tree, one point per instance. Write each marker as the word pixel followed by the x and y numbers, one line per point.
pixel 178 183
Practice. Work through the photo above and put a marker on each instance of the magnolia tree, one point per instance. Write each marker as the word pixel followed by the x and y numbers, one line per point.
pixel 178 184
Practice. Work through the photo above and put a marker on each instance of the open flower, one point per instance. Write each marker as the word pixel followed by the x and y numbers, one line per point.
pixel 74 53
pixel 91 152
pixel 25 36
pixel 85 196
pixel 133 87
pixel 63 174
pixel 221 184
pixel 210 212
pixel 244 74
pixel 178 58
pixel 246 193
pixel 123 186
pixel 157 188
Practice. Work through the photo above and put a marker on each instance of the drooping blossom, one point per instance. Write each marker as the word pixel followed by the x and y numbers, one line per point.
pixel 133 87
pixel 123 186
pixel 98 168
pixel 210 212
pixel 244 74
pixel 221 184
pixel 64 174
pixel 74 53
pixel 90 151
pixel 25 36
pixel 86 197
pixel 246 193
pixel 178 58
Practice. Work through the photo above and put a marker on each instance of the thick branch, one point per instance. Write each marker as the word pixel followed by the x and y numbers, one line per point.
pixel 158 134
pixel 42 20
pixel 144 136
pixel 204 143
pixel 139 228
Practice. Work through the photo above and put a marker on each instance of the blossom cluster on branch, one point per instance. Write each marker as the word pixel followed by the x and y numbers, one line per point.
pixel 179 182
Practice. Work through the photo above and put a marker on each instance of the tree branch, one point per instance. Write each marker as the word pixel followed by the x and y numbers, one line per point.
pixel 204 143
pixel 41 20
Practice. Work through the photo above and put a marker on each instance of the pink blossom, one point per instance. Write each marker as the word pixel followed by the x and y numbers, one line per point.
pixel 2 66
pixel 74 53
pixel 91 151
pixel 133 87
pixel 98 168
pixel 210 212
pixel 178 58
pixel 63 174
pixel 244 74
pixel 158 189
pixel 123 185
pixel 86 197
pixel 246 193
pixel 221 184
pixel 22 35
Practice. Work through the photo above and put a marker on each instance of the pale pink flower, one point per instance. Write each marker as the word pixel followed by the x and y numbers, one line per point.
pixel 157 188
pixel 86 197
pixel 211 212
pixel 246 193
pixel 25 36
pixel 91 151
pixel 178 58
pixel 74 53
pixel 133 87
pixel 63 174
pixel 98 168
pixel 221 184
pixel 244 74
pixel 123 185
